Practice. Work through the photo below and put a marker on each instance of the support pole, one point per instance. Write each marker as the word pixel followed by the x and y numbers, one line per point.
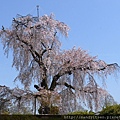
pixel 38 11
pixel 35 105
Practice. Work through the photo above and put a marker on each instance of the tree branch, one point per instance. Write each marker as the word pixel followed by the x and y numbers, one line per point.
pixel 81 90
pixel 70 70
pixel 69 86
pixel 108 65
pixel 38 58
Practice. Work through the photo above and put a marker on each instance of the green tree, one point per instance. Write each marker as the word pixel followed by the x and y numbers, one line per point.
pixel 111 110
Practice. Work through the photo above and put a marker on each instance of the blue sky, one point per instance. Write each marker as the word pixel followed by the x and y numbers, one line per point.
pixel 94 26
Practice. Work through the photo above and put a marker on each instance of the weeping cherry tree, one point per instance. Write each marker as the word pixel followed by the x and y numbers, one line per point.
pixel 38 57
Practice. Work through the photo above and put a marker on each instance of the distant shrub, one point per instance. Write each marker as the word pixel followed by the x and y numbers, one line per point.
pixel 111 110
pixel 54 110
pixel 82 113
pixel 49 110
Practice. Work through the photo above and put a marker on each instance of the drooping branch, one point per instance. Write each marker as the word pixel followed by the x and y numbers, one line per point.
pixel 85 89
pixel 16 97
pixel 36 56
pixel 69 86
pixel 70 70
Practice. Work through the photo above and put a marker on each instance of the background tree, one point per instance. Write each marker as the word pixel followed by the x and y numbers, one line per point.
pixel 111 110
pixel 37 55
